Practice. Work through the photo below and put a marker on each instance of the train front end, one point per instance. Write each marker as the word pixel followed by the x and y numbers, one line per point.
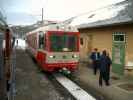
pixel 63 50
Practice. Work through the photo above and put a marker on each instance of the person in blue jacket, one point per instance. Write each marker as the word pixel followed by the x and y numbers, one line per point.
pixel 105 63
pixel 95 56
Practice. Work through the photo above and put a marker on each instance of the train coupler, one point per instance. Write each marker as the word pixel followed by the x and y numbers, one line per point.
pixel 65 72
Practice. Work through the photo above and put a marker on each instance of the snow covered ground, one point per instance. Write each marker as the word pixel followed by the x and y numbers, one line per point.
pixel 20 43
pixel 129 63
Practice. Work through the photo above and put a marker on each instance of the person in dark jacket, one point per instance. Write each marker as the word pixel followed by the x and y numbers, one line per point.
pixel 95 56
pixel 105 63
pixel 13 41
pixel 109 65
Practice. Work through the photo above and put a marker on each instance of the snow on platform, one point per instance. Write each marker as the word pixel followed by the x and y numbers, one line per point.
pixel 20 43
pixel 74 89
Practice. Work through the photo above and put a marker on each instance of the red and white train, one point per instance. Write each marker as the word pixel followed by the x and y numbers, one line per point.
pixel 55 47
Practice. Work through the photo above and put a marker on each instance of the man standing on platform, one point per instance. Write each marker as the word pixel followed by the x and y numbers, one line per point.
pixel 95 56
pixel 105 63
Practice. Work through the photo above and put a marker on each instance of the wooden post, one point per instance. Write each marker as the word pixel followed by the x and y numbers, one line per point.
pixel 7 56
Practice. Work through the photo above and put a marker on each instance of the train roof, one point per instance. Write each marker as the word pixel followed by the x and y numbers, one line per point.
pixel 55 27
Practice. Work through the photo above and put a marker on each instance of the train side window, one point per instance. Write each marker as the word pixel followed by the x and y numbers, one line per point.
pixel 41 40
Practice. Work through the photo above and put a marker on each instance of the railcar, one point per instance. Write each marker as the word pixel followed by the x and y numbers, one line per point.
pixel 54 47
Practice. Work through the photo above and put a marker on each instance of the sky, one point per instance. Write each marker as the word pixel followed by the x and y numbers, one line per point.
pixel 22 12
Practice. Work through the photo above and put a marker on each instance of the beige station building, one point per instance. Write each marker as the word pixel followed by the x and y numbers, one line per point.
pixel 114 34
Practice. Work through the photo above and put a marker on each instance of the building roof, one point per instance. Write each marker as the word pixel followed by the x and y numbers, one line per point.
pixel 119 13
pixel 107 22
pixel 54 27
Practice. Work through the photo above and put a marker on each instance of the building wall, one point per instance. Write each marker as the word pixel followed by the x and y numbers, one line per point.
pixel 86 47
pixel 101 38
pixel 129 45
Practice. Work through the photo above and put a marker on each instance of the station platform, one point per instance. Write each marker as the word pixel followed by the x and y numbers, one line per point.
pixel 121 88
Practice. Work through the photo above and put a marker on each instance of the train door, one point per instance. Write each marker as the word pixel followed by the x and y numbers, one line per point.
pixel 41 40
pixel 41 47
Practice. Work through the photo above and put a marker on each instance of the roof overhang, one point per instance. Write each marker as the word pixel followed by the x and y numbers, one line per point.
pixel 100 24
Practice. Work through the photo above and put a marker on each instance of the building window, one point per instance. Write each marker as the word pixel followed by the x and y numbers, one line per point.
pixel 119 37
pixel 81 41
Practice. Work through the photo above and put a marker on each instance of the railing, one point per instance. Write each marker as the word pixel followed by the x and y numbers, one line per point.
pixel 12 90
pixel 7 67
pixel 2 70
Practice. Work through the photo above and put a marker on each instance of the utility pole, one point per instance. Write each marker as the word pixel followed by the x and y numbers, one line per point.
pixel 42 15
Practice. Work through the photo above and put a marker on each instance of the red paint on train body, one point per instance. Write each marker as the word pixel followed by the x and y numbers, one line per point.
pixel 54 48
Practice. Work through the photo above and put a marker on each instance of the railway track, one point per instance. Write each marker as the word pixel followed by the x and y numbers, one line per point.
pixel 68 89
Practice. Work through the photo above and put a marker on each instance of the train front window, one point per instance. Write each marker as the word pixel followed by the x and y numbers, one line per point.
pixel 63 42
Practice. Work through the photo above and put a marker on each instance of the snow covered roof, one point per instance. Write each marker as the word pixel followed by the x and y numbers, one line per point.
pixel 55 27
pixel 107 22
pixel 114 14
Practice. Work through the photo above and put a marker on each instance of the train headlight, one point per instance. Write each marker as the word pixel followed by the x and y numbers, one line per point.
pixel 74 56
pixel 51 56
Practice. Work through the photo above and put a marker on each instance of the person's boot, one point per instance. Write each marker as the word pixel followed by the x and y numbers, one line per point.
pixel 107 83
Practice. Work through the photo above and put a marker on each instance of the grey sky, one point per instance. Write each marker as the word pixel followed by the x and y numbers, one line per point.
pixel 29 11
